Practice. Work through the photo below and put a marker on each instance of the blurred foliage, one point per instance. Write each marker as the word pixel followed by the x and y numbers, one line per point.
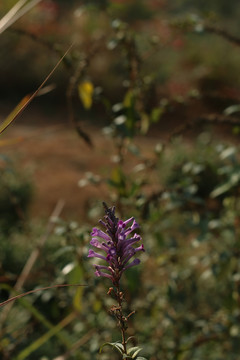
pixel 171 60
pixel 186 292
pixel 15 196
pixel 135 68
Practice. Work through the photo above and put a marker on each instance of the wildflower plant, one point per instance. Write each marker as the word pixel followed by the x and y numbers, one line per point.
pixel 117 246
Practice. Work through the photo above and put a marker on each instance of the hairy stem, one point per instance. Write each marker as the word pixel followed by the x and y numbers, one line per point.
pixel 122 320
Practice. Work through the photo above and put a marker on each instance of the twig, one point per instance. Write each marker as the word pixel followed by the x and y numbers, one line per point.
pixel 214 119
pixel 78 74
pixel 56 48
pixel 36 290
pixel 69 94
pixel 223 33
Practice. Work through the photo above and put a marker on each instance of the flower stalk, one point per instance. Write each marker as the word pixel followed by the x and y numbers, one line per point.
pixel 117 249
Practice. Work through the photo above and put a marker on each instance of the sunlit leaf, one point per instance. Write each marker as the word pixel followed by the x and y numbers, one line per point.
pixel 156 114
pixel 85 91
pixel 77 300
pixel 76 275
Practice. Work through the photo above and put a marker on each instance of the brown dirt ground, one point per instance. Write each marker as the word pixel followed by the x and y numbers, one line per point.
pixel 56 158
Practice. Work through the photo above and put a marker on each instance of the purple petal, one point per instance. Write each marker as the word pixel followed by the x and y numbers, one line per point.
pixel 97 267
pixel 94 254
pixel 126 243
pixel 133 263
pixel 100 273
pixel 127 256
pixel 112 252
pixel 120 227
pixel 121 236
pixel 103 223
pixel 117 242
pixel 97 244
pixel 101 234
pixel 112 260
pixel 133 227
pixel 128 220
pixel 140 248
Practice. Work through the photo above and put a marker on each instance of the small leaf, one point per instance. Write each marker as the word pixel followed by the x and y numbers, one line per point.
pixel 118 181
pixel 221 190
pixel 77 300
pixel 156 114
pixel 144 123
pixel 85 91
pixel 232 109
pixel 75 275
pixel 117 345
pixel 128 99
pixel 236 130
pixel 133 351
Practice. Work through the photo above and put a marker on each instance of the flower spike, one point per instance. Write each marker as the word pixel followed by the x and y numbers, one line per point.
pixel 117 243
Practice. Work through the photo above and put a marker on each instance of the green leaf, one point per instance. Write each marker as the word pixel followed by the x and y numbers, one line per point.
pixel 156 114
pixel 129 99
pixel 77 300
pixel 133 351
pixel 145 123
pixel 116 345
pixel 118 181
pixel 236 130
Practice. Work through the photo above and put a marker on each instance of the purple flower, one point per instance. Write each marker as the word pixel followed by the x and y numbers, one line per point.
pixel 116 243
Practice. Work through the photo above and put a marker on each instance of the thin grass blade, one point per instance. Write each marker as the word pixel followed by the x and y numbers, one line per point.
pixel 17 11
pixel 28 98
